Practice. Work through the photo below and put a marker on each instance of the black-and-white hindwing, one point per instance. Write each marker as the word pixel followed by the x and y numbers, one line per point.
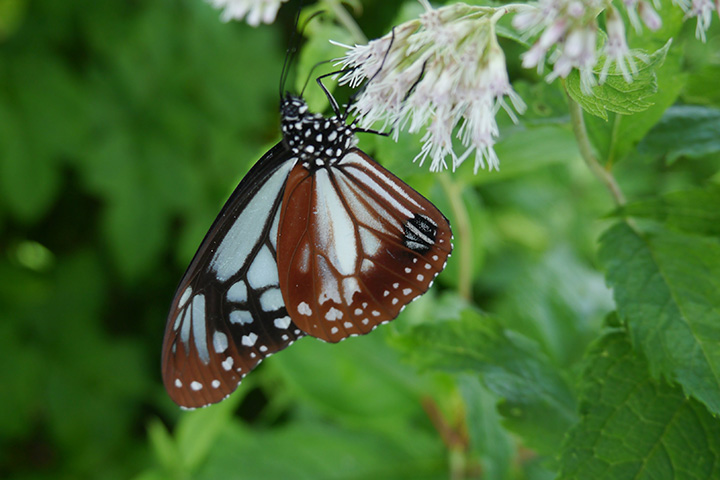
pixel 228 313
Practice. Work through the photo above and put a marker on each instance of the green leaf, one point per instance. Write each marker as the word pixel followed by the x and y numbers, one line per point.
pixel 666 288
pixel 360 380
pixel 617 95
pixel 559 302
pixel 487 436
pixel 538 403
pixel 684 130
pixel 29 179
pixel 320 451
pixel 633 427
pixel 692 211
pixel 198 430
pixel 136 229
pixel 164 446
pixel 523 151
pixel 617 137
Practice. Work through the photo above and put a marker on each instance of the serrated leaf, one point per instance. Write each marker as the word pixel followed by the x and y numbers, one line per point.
pixel 617 137
pixel 684 130
pixel 633 427
pixel 616 95
pixel 666 288
pixel 692 211
pixel 538 403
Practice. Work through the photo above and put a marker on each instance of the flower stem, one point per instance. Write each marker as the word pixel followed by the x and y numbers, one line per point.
pixel 347 21
pixel 463 235
pixel 586 151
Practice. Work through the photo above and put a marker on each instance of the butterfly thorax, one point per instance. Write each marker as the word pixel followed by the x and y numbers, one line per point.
pixel 318 141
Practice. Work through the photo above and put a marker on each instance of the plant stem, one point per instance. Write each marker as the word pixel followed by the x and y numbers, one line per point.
pixel 586 151
pixel 347 21
pixel 463 235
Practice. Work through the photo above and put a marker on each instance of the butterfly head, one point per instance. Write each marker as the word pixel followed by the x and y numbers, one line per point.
pixel 318 141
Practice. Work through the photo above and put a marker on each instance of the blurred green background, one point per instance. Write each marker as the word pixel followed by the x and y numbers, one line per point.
pixel 124 126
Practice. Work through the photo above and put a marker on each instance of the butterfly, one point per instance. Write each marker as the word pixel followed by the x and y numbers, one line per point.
pixel 317 239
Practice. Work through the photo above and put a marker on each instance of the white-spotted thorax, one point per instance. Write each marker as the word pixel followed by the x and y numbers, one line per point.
pixel 318 141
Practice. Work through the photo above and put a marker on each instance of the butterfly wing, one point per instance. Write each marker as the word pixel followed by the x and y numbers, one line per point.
pixel 228 313
pixel 355 245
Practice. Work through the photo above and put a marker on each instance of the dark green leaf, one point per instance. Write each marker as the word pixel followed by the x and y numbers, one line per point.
pixel 538 403
pixel 316 451
pixel 684 130
pixel 487 436
pixel 692 211
pixel 617 95
pixel 361 380
pixel 634 427
pixel 666 288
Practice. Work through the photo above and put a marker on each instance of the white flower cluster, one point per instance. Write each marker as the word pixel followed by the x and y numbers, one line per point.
pixel 253 11
pixel 568 37
pixel 702 10
pixel 444 69
pixel 568 29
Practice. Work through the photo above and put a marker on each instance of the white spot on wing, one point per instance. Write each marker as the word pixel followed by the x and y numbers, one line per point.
pixel 333 314
pixel 220 342
pixel 271 300
pixel 249 339
pixel 228 363
pixel 370 243
pixel 274 230
pixel 178 383
pixel 196 386
pixel 304 309
pixel 186 324
pixel 282 323
pixel 185 296
pixel 242 317
pixel 350 286
pixel 329 289
pixel 238 292
pixel 263 270
pixel 304 259
pixel 215 383
pixel 198 321
pixel 366 266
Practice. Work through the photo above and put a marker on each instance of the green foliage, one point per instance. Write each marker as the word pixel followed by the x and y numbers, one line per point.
pixel 665 285
pixel 572 335
pixel 616 94
pixel 635 427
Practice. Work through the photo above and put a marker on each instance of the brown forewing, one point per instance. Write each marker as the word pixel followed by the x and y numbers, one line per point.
pixel 328 305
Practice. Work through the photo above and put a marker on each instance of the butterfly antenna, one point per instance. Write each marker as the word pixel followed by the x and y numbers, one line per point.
pixel 290 52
